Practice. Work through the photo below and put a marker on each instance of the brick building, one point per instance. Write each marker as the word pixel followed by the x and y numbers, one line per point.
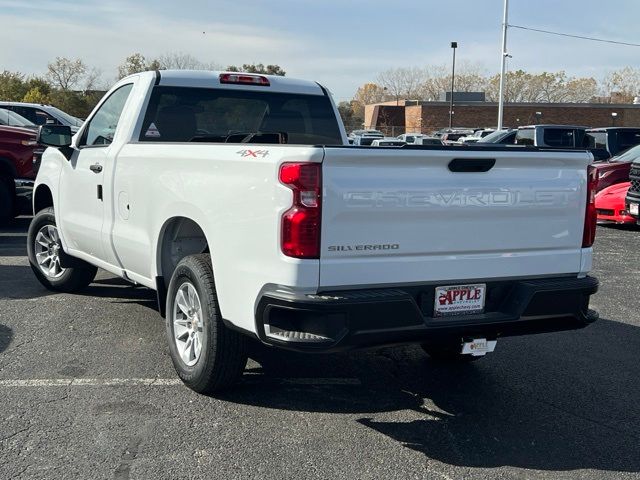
pixel 417 116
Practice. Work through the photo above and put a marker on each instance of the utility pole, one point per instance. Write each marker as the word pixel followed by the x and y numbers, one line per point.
pixel 454 45
pixel 503 61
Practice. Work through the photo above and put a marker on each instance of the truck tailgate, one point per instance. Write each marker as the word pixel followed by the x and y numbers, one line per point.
pixel 402 216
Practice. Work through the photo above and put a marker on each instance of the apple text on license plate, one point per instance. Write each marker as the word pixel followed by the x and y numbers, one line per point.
pixel 459 299
pixel 633 208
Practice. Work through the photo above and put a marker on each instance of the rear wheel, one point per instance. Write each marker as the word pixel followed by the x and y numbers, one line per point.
pixel 7 198
pixel 208 356
pixel 448 353
pixel 44 249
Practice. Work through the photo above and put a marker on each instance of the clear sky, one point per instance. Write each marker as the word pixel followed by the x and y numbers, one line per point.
pixel 341 44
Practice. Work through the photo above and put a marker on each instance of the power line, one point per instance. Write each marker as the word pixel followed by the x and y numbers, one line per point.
pixel 575 36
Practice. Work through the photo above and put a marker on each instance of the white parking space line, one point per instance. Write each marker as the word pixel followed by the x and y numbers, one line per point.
pixel 13 261
pixel 90 382
pixel 160 382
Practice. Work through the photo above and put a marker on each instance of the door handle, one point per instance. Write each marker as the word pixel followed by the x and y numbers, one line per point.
pixel 96 168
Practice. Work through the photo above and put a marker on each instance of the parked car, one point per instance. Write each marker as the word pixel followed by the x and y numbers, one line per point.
pixel 453 136
pixel 476 136
pixel 553 136
pixel 610 205
pixel 504 137
pixel 616 169
pixel 632 202
pixel 388 142
pixel 18 153
pixel 43 114
pixel 411 138
pixel 428 141
pixel 316 246
pixel 366 137
pixel 12 119
pixel 613 139
pixel 558 136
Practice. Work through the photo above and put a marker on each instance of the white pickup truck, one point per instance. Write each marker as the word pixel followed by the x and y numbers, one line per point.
pixel 236 198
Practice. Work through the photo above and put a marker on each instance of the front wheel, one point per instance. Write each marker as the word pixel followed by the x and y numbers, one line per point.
pixel 44 249
pixel 208 356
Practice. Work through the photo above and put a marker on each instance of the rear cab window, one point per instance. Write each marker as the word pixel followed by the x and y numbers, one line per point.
pixel 596 140
pixel 525 136
pixel 218 115
pixel 559 137
pixel 628 139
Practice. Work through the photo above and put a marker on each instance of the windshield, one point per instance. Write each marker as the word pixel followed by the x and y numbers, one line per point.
pixel 493 136
pixel 7 117
pixel 71 120
pixel 628 156
pixel 182 114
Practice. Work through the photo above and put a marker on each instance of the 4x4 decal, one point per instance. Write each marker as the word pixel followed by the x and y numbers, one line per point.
pixel 253 153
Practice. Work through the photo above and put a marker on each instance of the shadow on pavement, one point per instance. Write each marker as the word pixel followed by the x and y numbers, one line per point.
pixel 13 237
pixel 548 402
pixel 6 335
pixel 19 282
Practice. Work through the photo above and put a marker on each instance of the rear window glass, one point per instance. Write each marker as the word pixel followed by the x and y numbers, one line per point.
pixel 525 136
pixel 558 137
pixel 596 140
pixel 627 139
pixel 180 114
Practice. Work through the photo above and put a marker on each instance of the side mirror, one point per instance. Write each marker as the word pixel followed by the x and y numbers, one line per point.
pixel 54 135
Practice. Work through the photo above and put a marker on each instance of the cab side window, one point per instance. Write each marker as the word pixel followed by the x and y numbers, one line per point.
pixel 102 127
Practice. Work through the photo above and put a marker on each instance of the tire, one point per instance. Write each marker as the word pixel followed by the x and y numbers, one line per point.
pixel 448 353
pixel 69 280
pixel 217 364
pixel 7 199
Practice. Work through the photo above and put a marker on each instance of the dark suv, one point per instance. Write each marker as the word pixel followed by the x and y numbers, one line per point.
pixel 613 139
pixel 43 114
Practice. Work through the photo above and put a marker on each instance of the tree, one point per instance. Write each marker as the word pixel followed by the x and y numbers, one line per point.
pixel 258 68
pixel 352 115
pixel 402 83
pixel 371 93
pixel 470 77
pixel 66 74
pixel 622 85
pixel 12 86
pixel 35 95
pixel 134 63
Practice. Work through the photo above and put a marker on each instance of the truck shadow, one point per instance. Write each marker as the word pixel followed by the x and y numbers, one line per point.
pixel 13 237
pixel 559 402
pixel 19 282
pixel 6 335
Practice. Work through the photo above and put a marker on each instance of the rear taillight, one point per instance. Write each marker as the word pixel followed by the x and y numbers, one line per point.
pixel 590 215
pixel 300 237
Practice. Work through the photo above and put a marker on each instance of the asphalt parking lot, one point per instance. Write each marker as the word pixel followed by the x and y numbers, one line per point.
pixel 87 390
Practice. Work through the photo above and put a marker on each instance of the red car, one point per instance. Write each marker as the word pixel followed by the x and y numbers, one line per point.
pixel 18 154
pixel 610 205
pixel 616 169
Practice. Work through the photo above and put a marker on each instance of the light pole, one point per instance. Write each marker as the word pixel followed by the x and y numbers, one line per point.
pixel 503 61
pixel 454 45
pixel 538 116
pixel 613 118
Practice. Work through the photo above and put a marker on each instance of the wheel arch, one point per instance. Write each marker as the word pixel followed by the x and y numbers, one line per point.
pixel 179 236
pixel 42 198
